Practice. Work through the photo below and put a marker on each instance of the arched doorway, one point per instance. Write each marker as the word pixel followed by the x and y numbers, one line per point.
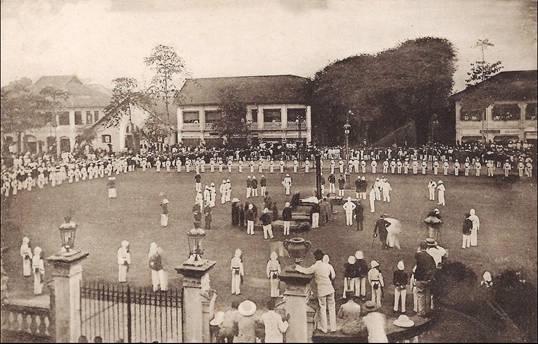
pixel 30 144
pixel 65 144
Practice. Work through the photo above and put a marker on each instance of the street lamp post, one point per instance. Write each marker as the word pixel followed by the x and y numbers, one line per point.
pixel 347 128
pixel 299 120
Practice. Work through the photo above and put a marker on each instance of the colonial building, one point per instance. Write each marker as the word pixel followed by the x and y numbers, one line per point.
pixel 81 110
pixel 276 108
pixel 500 108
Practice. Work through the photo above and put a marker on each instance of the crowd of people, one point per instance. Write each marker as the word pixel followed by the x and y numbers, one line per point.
pixel 27 172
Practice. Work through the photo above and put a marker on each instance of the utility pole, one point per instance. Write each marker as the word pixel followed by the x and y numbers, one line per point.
pixel 347 128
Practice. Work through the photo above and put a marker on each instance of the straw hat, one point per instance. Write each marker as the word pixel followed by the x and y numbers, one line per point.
pixel 247 308
pixel 404 321
pixel 369 306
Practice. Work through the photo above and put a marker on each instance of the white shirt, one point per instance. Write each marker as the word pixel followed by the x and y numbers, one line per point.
pixel 322 275
pixel 274 327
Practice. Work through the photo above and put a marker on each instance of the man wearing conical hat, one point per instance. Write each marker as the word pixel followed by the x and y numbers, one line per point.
pixel 236 266
pixel 400 280
pixel 124 260
pixel 273 272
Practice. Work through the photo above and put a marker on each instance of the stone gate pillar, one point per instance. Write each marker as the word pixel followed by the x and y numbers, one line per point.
pixel 193 323
pixel 65 295
pixel 296 296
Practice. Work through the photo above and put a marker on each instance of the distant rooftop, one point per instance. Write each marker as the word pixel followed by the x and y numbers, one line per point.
pixel 80 95
pixel 518 85
pixel 264 89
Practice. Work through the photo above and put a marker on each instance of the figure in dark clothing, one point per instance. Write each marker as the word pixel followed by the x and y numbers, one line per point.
pixel 275 211
pixel 235 213
pixel 207 217
pixel 381 229
pixel 359 216
pixel 197 215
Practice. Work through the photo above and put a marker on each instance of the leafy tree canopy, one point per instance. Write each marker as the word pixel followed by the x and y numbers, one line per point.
pixel 410 81
pixel 125 95
pixel 232 122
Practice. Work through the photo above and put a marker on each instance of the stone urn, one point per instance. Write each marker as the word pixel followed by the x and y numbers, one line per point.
pixel 297 248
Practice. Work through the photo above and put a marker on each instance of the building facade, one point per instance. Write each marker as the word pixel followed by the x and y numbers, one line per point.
pixel 83 108
pixel 502 108
pixel 276 108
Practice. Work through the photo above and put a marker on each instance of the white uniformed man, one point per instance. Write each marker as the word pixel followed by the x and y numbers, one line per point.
pixel 386 189
pixel 424 166
pixel 393 166
pixel 211 165
pixel 228 190
pixel 260 165
pixel 272 166
pixel 341 166
pixel 295 165
pixel 221 165
pixel 236 266
pixel 168 164
pixel 213 191
pixel 333 165
pixel 432 186
pixel 222 190
pixel 377 186
pixel 251 166
pixel 373 165
pixel 528 168
pixel 229 165
pixel 287 184
pixel 415 166
pixel 441 193
pixel 456 167
pixel 490 166
pixel 467 168
pixel 507 167
pixel 363 166
pixel 307 166
pixel 445 168
pixel 240 166
pixel 385 166
pixel 282 165
pixel 349 207
pixel 435 167
pixel 478 168
pixel 202 165
pixel 520 168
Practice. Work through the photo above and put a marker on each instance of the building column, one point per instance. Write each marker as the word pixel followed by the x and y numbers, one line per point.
pixel 522 109
pixel 458 120
pixel 284 117
pixel 295 296
pixel 179 125
pixel 488 119
pixel 260 117
pixel 201 120
pixel 193 323
pixel 65 295
pixel 308 125
pixel 71 130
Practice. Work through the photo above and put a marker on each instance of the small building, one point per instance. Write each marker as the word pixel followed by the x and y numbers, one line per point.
pixel 276 108
pixel 501 108
pixel 84 107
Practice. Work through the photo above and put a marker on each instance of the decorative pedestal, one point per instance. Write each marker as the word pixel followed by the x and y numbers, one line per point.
pixel 297 288
pixel 193 327
pixel 65 303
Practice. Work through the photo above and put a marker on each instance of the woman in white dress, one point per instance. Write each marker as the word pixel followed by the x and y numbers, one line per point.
pixel 124 260
pixel 26 254
pixel 38 268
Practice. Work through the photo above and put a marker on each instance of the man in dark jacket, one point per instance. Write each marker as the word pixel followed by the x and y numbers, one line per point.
pixel 381 230
pixel 286 217
pixel 424 274
pixel 467 226
pixel 235 213
pixel 361 271
pixel 359 216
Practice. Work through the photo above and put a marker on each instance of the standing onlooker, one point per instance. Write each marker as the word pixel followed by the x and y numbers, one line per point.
pixel 359 216
pixel 26 254
pixel 476 226
pixel 38 268
pixel 275 327
pixel 266 221
pixel 376 281
pixel 159 279
pixel 164 210
pixel 361 271
pixel 273 272
pixel 236 265
pixel 349 207
pixel 400 280
pixel 425 270
pixel 323 273
pixel 250 219
pixel 246 323
pixel 124 260
pixel 467 230
pixel 315 214
pixel 228 326
pixel 112 192
pixel 441 193
pixel 286 217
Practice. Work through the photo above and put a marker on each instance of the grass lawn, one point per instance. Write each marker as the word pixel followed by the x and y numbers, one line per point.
pixel 507 238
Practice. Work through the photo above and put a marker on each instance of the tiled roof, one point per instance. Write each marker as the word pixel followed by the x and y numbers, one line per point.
pixel 510 85
pixel 267 89
pixel 80 95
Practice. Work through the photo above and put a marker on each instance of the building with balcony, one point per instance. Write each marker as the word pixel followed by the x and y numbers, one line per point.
pixel 276 108
pixel 501 108
pixel 82 109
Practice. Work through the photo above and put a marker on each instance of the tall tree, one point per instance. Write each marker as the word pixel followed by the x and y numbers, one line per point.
pixel 125 96
pixel 155 129
pixel 21 110
pixel 232 122
pixel 168 67
pixel 409 82
pixel 482 70
pixel 56 99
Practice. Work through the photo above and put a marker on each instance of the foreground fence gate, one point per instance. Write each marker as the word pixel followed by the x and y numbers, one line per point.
pixel 118 312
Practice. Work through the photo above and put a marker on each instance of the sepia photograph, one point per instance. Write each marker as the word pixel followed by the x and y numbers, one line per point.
pixel 268 171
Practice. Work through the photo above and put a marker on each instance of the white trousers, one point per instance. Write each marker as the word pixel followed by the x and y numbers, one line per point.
pixel 376 295
pixel 441 198
pixel 372 205
pixel 466 241
pixel 254 192
pixel 360 286
pixel 349 218
pixel 122 273
pixel 386 197
pixel 315 220
pixel 432 194
pixel 267 232
pixel 474 237
pixel 250 227
pixel 159 280
pixel 164 220
pixel 287 227
pixel 236 283
pixel 249 191
pixel 262 190
pixel 399 294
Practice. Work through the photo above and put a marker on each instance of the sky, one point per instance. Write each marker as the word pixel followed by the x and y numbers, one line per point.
pixel 100 40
